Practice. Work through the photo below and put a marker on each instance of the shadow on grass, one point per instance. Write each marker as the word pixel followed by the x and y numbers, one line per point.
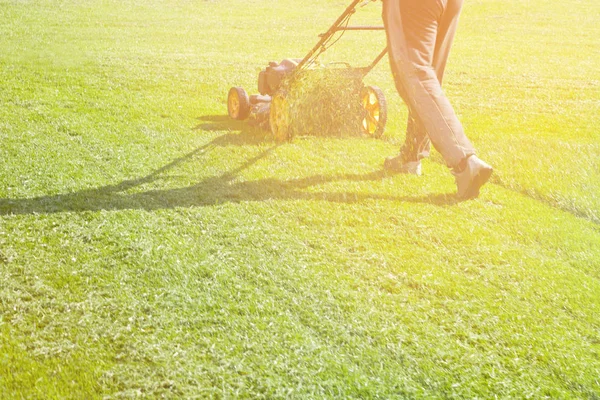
pixel 219 123
pixel 248 133
pixel 210 191
pixel 588 215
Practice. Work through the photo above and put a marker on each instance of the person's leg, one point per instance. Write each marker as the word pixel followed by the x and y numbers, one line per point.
pixel 417 144
pixel 419 35
pixel 446 31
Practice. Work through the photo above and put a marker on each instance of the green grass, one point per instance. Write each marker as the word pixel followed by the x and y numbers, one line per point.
pixel 149 246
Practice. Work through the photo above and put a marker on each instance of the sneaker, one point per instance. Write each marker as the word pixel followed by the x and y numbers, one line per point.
pixel 473 177
pixel 395 164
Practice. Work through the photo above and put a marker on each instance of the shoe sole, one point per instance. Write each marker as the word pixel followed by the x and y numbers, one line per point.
pixel 480 179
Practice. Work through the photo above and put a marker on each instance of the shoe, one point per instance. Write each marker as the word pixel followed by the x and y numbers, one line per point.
pixel 473 177
pixel 395 164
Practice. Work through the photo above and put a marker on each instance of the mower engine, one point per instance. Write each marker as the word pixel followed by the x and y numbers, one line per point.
pixel 269 80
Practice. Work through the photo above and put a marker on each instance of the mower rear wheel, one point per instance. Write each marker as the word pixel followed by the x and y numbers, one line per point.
pixel 374 111
pixel 279 116
pixel 238 103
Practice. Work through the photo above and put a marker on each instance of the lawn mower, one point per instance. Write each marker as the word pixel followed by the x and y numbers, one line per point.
pixel 271 103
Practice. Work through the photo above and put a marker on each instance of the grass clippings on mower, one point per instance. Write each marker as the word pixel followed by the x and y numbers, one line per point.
pixel 325 102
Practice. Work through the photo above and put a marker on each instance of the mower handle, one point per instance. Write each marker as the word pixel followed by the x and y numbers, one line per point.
pixel 333 29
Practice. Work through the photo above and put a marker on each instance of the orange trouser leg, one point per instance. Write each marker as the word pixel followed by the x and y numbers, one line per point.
pixel 420 34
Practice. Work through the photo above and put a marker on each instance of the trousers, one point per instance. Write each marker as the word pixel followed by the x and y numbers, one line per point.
pixel 419 36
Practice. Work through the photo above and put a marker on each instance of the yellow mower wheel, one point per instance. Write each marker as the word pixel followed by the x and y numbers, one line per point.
pixel 374 111
pixel 238 103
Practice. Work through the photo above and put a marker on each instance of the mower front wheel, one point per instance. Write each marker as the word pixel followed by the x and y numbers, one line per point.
pixel 374 111
pixel 279 116
pixel 238 103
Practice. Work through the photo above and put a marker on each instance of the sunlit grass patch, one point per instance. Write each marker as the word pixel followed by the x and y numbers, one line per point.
pixel 152 247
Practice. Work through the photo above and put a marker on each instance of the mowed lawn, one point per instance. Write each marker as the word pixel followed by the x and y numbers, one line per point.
pixel 151 247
